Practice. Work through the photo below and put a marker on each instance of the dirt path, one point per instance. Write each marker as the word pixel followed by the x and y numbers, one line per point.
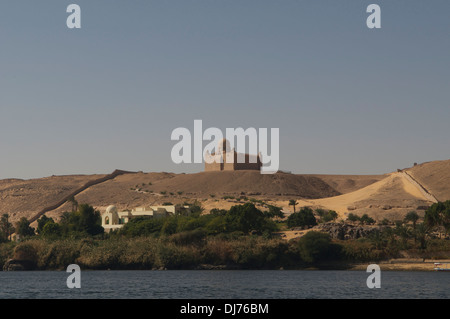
pixel 77 191
pixel 425 193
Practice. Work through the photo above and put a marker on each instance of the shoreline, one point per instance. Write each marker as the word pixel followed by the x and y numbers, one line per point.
pixel 427 266
pixel 401 265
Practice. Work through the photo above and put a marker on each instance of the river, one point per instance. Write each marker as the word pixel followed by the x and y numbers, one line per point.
pixel 224 284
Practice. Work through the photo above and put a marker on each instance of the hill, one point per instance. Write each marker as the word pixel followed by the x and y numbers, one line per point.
pixel 434 177
pixel 391 197
pixel 24 198
pixel 381 196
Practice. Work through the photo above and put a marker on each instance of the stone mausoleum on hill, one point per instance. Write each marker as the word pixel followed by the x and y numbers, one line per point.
pixel 227 159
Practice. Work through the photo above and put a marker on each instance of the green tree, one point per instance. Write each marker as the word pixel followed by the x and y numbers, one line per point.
pixel 246 218
pixel 326 215
pixel 6 228
pixel 420 235
pixel 196 209
pixel 274 211
pixel 85 221
pixel 438 215
pixel 41 222
pixel 73 202
pixel 143 226
pixel 170 226
pixel 90 220
pixel 413 217
pixel 365 219
pixel 353 217
pixel 217 225
pixel 293 203
pixel 404 233
pixel 51 230
pixel 303 218
pixel 23 228
pixel 316 247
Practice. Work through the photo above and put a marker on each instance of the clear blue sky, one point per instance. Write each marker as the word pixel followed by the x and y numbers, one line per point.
pixel 347 99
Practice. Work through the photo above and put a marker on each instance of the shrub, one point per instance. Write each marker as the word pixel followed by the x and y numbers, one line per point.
pixel 6 252
pixel 326 215
pixel 353 217
pixel 317 247
pixel 365 219
pixel 191 237
pixel 171 256
pixel 256 252
pixel 246 218
pixel 303 218
pixel 361 250
pixel 51 230
pixel 143 226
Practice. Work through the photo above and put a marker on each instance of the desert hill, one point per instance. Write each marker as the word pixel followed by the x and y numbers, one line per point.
pixel 391 198
pixel 392 195
pixel 142 189
pixel 349 183
pixel 381 196
pixel 24 198
pixel 434 176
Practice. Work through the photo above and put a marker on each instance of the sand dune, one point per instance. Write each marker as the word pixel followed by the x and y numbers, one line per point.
pixel 392 196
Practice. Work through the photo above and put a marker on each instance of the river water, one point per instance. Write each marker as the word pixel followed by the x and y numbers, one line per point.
pixel 224 284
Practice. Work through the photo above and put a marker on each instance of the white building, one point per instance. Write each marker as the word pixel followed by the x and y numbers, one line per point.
pixel 113 219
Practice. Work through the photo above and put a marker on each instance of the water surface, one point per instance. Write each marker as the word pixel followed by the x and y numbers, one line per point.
pixel 224 284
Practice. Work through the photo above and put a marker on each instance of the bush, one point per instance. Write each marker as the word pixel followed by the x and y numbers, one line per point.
pixel 51 230
pixel 58 254
pixel 353 217
pixel 192 237
pixel 171 256
pixel 143 226
pixel 316 247
pixel 23 228
pixel 361 250
pixel 365 219
pixel 326 215
pixel 258 253
pixel 248 218
pixel 6 252
pixel 303 218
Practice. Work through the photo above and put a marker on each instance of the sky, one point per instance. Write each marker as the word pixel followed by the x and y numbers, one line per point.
pixel 347 99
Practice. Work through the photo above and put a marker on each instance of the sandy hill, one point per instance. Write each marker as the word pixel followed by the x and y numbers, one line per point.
pixel 381 196
pixel 391 197
pixel 24 198
pixel 349 183
pixel 142 189
pixel 434 176
pixel 388 196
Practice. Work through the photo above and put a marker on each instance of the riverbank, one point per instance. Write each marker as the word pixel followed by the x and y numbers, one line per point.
pixel 313 251
pixel 403 264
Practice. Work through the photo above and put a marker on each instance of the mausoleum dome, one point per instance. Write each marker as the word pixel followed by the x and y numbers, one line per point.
pixel 224 146
pixel 111 209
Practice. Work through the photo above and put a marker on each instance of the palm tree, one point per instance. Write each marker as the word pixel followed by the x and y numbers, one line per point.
pixel 74 203
pixel 6 227
pixel 420 234
pixel 413 217
pixel 293 202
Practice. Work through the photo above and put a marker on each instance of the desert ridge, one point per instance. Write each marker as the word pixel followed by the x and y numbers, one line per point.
pixel 389 195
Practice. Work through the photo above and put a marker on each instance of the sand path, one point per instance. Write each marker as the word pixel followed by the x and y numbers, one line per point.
pixel 341 203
